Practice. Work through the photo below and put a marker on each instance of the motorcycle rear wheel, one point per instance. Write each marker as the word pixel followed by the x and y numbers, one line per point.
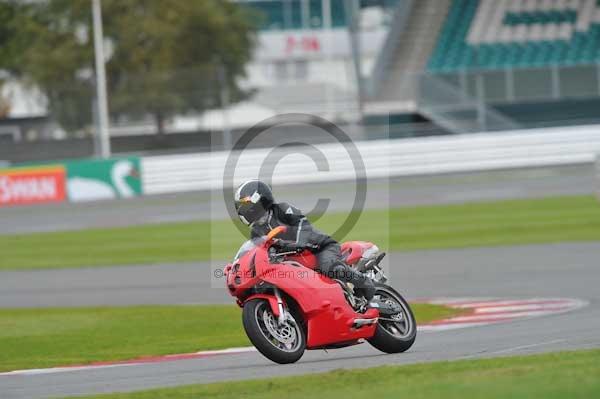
pixel 281 344
pixel 394 336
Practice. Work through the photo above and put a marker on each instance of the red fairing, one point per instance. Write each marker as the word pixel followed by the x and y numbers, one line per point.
pixel 353 250
pixel 306 258
pixel 328 316
pixel 272 301
pixel 324 307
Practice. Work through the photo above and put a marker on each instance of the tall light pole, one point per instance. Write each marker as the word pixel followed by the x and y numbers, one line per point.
pixel 101 95
pixel 352 19
pixel 327 30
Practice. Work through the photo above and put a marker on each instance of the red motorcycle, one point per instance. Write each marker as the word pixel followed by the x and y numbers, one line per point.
pixel 288 307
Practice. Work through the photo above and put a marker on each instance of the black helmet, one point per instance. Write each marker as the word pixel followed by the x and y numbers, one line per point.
pixel 252 200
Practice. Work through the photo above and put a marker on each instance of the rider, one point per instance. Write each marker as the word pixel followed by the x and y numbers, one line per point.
pixel 257 208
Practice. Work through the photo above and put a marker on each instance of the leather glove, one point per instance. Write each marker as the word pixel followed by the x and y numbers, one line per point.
pixel 292 246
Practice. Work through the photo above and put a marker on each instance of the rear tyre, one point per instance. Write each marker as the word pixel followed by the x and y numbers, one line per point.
pixel 399 334
pixel 281 344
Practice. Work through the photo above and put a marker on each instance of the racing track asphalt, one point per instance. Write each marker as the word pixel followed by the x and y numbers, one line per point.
pixel 554 270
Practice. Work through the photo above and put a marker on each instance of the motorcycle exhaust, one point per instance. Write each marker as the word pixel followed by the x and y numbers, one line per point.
pixel 358 323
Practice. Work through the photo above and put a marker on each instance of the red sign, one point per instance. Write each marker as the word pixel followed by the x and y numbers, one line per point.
pixel 306 44
pixel 32 186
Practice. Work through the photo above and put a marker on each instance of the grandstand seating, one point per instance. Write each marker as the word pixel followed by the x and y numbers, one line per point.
pixel 288 14
pixel 498 34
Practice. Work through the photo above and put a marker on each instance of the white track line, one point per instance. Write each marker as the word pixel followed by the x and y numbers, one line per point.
pixel 515 348
pixel 135 362
pixel 522 308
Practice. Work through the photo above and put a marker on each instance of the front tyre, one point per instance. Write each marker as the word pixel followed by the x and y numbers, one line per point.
pixel 396 333
pixel 280 343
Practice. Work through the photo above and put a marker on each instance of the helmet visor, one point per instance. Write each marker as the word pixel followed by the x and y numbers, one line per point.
pixel 248 211
pixel 244 220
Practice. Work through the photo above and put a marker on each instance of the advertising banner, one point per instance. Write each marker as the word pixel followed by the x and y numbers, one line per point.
pixel 100 179
pixel 33 185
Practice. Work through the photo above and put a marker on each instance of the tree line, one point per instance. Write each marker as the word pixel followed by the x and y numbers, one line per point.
pixel 163 57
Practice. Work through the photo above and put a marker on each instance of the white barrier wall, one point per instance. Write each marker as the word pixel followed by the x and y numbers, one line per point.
pixel 382 158
pixel 597 179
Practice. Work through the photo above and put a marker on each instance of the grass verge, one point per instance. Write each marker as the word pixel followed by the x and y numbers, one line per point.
pixel 477 224
pixel 558 375
pixel 37 338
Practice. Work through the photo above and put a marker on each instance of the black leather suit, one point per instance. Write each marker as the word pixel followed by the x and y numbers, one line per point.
pixel 301 231
pixel 326 249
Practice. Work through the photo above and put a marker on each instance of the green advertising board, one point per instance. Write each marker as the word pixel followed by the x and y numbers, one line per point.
pixel 98 179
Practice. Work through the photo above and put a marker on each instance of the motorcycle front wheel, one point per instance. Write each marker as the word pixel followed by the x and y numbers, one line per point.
pixel 396 333
pixel 283 343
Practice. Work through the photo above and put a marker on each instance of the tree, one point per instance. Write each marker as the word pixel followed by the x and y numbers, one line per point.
pixel 9 54
pixel 164 55
pixel 58 58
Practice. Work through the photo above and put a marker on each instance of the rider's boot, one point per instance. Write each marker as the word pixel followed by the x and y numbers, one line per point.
pixel 361 283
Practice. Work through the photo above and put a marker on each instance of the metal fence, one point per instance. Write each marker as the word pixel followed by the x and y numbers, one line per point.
pixel 528 84
pixel 474 100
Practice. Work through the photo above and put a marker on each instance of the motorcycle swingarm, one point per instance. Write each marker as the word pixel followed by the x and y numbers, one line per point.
pixel 386 308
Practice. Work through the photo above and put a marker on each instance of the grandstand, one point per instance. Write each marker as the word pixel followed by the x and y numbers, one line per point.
pixel 308 14
pixel 476 65
pixel 492 34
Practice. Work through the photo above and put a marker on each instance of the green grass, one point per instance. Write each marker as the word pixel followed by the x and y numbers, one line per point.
pixel 37 338
pixel 478 224
pixel 551 376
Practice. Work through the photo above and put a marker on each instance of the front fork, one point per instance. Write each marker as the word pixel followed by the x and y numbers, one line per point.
pixel 283 313
pixel 276 304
